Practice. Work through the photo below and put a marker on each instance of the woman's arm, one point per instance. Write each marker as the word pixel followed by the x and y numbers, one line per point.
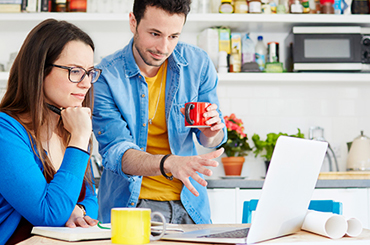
pixel 23 184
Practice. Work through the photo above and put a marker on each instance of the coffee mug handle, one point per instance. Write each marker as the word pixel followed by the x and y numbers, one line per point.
pixel 155 238
pixel 188 107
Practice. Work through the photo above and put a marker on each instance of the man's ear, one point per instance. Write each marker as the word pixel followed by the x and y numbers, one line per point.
pixel 133 23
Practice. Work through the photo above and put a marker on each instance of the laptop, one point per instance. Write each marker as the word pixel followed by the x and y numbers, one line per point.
pixel 285 197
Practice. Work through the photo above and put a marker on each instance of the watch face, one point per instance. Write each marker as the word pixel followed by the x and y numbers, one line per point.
pixel 82 208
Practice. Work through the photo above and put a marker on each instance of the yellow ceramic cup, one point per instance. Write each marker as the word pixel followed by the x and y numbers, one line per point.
pixel 132 225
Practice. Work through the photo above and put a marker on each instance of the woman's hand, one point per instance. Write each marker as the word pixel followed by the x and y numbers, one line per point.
pixel 77 121
pixel 77 219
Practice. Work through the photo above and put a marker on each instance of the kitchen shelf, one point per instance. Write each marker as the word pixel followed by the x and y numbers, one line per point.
pixel 291 77
pixel 195 22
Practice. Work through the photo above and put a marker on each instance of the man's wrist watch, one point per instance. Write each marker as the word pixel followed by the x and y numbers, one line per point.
pixel 82 207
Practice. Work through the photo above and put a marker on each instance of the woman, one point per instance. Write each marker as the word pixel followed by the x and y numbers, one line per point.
pixel 45 176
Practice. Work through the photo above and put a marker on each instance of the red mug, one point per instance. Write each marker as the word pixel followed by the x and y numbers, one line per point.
pixel 194 114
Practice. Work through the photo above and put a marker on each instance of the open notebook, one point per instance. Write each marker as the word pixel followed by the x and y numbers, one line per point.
pixel 93 232
pixel 72 234
pixel 286 193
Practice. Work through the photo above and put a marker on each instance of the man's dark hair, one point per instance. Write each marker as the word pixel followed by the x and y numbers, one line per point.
pixel 170 6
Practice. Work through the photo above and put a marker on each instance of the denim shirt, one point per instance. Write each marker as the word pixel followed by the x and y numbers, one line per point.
pixel 120 121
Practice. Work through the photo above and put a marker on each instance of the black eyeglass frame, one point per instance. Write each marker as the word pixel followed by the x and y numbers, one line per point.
pixel 70 68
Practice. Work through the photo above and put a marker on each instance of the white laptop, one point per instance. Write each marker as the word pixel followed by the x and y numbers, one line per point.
pixel 285 197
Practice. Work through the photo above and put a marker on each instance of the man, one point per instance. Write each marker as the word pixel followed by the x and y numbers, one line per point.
pixel 138 118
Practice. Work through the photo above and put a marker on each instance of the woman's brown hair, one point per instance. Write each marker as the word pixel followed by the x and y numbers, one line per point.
pixel 25 94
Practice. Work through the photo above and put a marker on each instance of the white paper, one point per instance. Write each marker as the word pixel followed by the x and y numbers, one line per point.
pixel 331 225
pixel 327 224
pixel 354 227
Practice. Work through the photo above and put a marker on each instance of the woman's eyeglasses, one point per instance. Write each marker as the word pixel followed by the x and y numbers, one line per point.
pixel 77 74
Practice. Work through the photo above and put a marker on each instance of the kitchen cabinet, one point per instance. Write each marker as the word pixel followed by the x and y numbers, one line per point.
pixel 110 32
pixel 227 203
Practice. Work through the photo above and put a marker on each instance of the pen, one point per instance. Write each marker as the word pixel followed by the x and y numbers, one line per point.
pixel 54 109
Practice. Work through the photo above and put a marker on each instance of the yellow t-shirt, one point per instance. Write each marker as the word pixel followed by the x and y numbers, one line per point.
pixel 158 187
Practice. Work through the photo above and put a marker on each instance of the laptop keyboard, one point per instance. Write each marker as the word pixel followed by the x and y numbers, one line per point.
pixel 241 233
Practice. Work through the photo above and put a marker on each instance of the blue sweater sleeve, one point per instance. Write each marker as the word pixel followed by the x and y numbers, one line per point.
pixel 90 201
pixel 23 184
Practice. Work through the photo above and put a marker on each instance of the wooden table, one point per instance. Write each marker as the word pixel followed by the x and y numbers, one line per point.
pixel 300 238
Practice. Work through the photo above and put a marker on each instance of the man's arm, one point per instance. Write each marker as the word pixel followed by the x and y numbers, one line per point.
pixel 136 162
pixel 212 141
pixel 216 134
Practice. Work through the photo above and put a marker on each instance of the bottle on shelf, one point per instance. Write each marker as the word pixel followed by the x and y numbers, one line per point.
pixel 326 7
pixel 222 62
pixel 265 7
pixel 60 5
pixel 255 6
pixel 273 6
pixel 338 6
pixel 77 5
pixel 226 7
pixel 235 62
pixel 248 49
pixel 273 64
pixel 314 6
pixel 296 7
pixel 306 6
pixel 282 7
pixel 260 53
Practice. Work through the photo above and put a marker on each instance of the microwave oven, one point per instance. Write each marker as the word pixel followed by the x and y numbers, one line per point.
pixel 328 48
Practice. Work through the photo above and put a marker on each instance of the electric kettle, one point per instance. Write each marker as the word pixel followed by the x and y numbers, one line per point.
pixel 359 154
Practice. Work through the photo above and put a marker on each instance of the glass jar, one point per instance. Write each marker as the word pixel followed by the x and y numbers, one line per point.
pixel 255 7
pixel 240 6
pixel 326 7
pixel 226 7
pixel 296 7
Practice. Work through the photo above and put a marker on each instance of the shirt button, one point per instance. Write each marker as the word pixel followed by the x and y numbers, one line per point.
pixel 132 204
pixel 99 132
pixel 144 124
pixel 143 95
pixel 140 77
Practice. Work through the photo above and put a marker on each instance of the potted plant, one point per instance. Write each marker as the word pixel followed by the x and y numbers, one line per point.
pixel 236 146
pixel 265 148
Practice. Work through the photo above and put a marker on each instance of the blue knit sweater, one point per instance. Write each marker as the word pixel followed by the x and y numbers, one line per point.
pixel 24 190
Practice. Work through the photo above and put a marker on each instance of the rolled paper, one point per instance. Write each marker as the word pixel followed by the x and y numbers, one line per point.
pixel 354 227
pixel 327 224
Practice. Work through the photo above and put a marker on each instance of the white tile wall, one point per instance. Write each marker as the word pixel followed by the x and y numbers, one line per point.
pixel 341 109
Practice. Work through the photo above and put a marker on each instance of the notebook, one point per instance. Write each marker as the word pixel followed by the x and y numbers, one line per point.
pixel 286 193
